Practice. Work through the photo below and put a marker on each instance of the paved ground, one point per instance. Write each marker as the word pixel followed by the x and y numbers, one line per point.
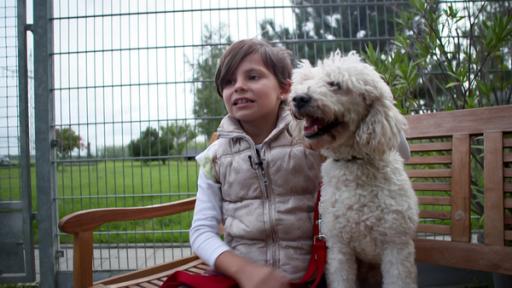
pixel 123 258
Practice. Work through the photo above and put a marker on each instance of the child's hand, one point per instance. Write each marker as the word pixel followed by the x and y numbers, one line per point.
pixel 257 276
pixel 249 274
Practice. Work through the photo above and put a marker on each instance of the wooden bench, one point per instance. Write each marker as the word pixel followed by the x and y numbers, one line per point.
pixel 441 171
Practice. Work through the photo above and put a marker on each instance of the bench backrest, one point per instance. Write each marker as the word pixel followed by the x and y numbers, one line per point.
pixel 449 152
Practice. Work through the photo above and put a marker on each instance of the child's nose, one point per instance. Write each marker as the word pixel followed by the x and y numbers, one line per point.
pixel 240 86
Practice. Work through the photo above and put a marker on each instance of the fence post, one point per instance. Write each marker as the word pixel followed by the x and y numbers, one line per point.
pixel 44 120
pixel 26 189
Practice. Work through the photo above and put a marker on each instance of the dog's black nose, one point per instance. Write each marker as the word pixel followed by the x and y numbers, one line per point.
pixel 299 101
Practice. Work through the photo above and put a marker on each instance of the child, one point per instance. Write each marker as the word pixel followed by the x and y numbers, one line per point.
pixel 257 179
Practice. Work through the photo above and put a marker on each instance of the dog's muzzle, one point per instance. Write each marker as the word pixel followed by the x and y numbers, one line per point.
pixel 301 100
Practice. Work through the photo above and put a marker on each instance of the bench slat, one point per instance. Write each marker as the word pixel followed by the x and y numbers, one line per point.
pixel 429 173
pixel 434 146
pixel 158 282
pixel 425 186
pixel 430 160
pixel 435 200
pixel 470 121
pixel 155 272
pixel 196 270
pixel 435 214
pixel 148 285
pixel 464 255
pixel 150 277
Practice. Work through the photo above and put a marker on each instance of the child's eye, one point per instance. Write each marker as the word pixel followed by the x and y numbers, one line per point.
pixel 253 77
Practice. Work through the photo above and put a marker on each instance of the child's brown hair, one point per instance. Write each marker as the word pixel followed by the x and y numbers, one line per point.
pixel 276 59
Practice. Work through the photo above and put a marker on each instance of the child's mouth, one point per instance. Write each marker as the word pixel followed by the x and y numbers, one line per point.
pixel 240 101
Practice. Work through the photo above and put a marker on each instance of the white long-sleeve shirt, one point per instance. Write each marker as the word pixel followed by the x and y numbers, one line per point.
pixel 204 233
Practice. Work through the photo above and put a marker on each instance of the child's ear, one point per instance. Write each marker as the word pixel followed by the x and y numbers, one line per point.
pixel 285 89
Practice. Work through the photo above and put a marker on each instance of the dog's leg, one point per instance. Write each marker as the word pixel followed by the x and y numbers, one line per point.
pixel 398 266
pixel 341 267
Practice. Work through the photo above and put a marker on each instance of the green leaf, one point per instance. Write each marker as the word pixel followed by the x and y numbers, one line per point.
pixel 452 84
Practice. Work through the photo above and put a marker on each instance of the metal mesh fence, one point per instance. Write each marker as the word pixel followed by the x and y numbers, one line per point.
pixel 135 100
pixel 16 245
pixel 126 71
pixel 9 124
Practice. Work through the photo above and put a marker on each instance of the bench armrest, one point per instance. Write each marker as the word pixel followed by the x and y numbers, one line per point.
pixel 89 220
pixel 81 224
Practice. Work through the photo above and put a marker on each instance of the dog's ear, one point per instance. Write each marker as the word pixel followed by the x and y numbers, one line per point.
pixel 381 130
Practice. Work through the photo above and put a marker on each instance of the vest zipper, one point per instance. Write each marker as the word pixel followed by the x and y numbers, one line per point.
pixel 263 177
pixel 274 254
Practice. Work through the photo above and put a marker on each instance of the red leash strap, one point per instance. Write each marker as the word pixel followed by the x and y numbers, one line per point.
pixel 185 279
pixel 318 260
pixel 313 275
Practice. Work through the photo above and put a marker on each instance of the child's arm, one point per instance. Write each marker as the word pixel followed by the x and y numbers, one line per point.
pixel 204 237
pixel 249 274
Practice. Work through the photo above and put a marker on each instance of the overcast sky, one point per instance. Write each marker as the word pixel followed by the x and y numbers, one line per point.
pixel 136 68
pixel 119 67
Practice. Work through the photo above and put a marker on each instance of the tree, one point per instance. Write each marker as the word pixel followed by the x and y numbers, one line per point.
pixel 113 152
pixel 147 145
pixel 67 141
pixel 177 136
pixel 208 107
pixel 155 145
pixel 449 56
pixel 325 26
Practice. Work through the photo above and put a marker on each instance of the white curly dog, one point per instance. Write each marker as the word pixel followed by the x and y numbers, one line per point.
pixel 368 207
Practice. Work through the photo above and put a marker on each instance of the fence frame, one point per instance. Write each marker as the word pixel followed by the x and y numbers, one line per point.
pixel 44 119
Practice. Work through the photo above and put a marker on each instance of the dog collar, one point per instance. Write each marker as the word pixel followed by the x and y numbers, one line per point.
pixel 352 158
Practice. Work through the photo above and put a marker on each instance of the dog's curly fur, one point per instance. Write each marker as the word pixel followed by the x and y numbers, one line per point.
pixel 368 207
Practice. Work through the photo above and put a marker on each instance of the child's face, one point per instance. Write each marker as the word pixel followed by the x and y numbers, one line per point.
pixel 253 94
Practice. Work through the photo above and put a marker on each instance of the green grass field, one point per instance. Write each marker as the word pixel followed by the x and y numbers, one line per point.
pixel 125 183
pixel 119 183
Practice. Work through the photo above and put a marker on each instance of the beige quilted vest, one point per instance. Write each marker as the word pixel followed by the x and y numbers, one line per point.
pixel 268 197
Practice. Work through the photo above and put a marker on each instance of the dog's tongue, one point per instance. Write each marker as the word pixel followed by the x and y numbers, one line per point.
pixel 311 126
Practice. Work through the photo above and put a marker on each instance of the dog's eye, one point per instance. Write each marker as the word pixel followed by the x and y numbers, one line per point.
pixel 334 84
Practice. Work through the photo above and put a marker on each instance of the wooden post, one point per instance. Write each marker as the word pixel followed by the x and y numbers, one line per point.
pixel 82 260
pixel 493 188
pixel 461 188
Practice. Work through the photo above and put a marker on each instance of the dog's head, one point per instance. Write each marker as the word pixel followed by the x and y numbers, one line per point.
pixel 346 106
